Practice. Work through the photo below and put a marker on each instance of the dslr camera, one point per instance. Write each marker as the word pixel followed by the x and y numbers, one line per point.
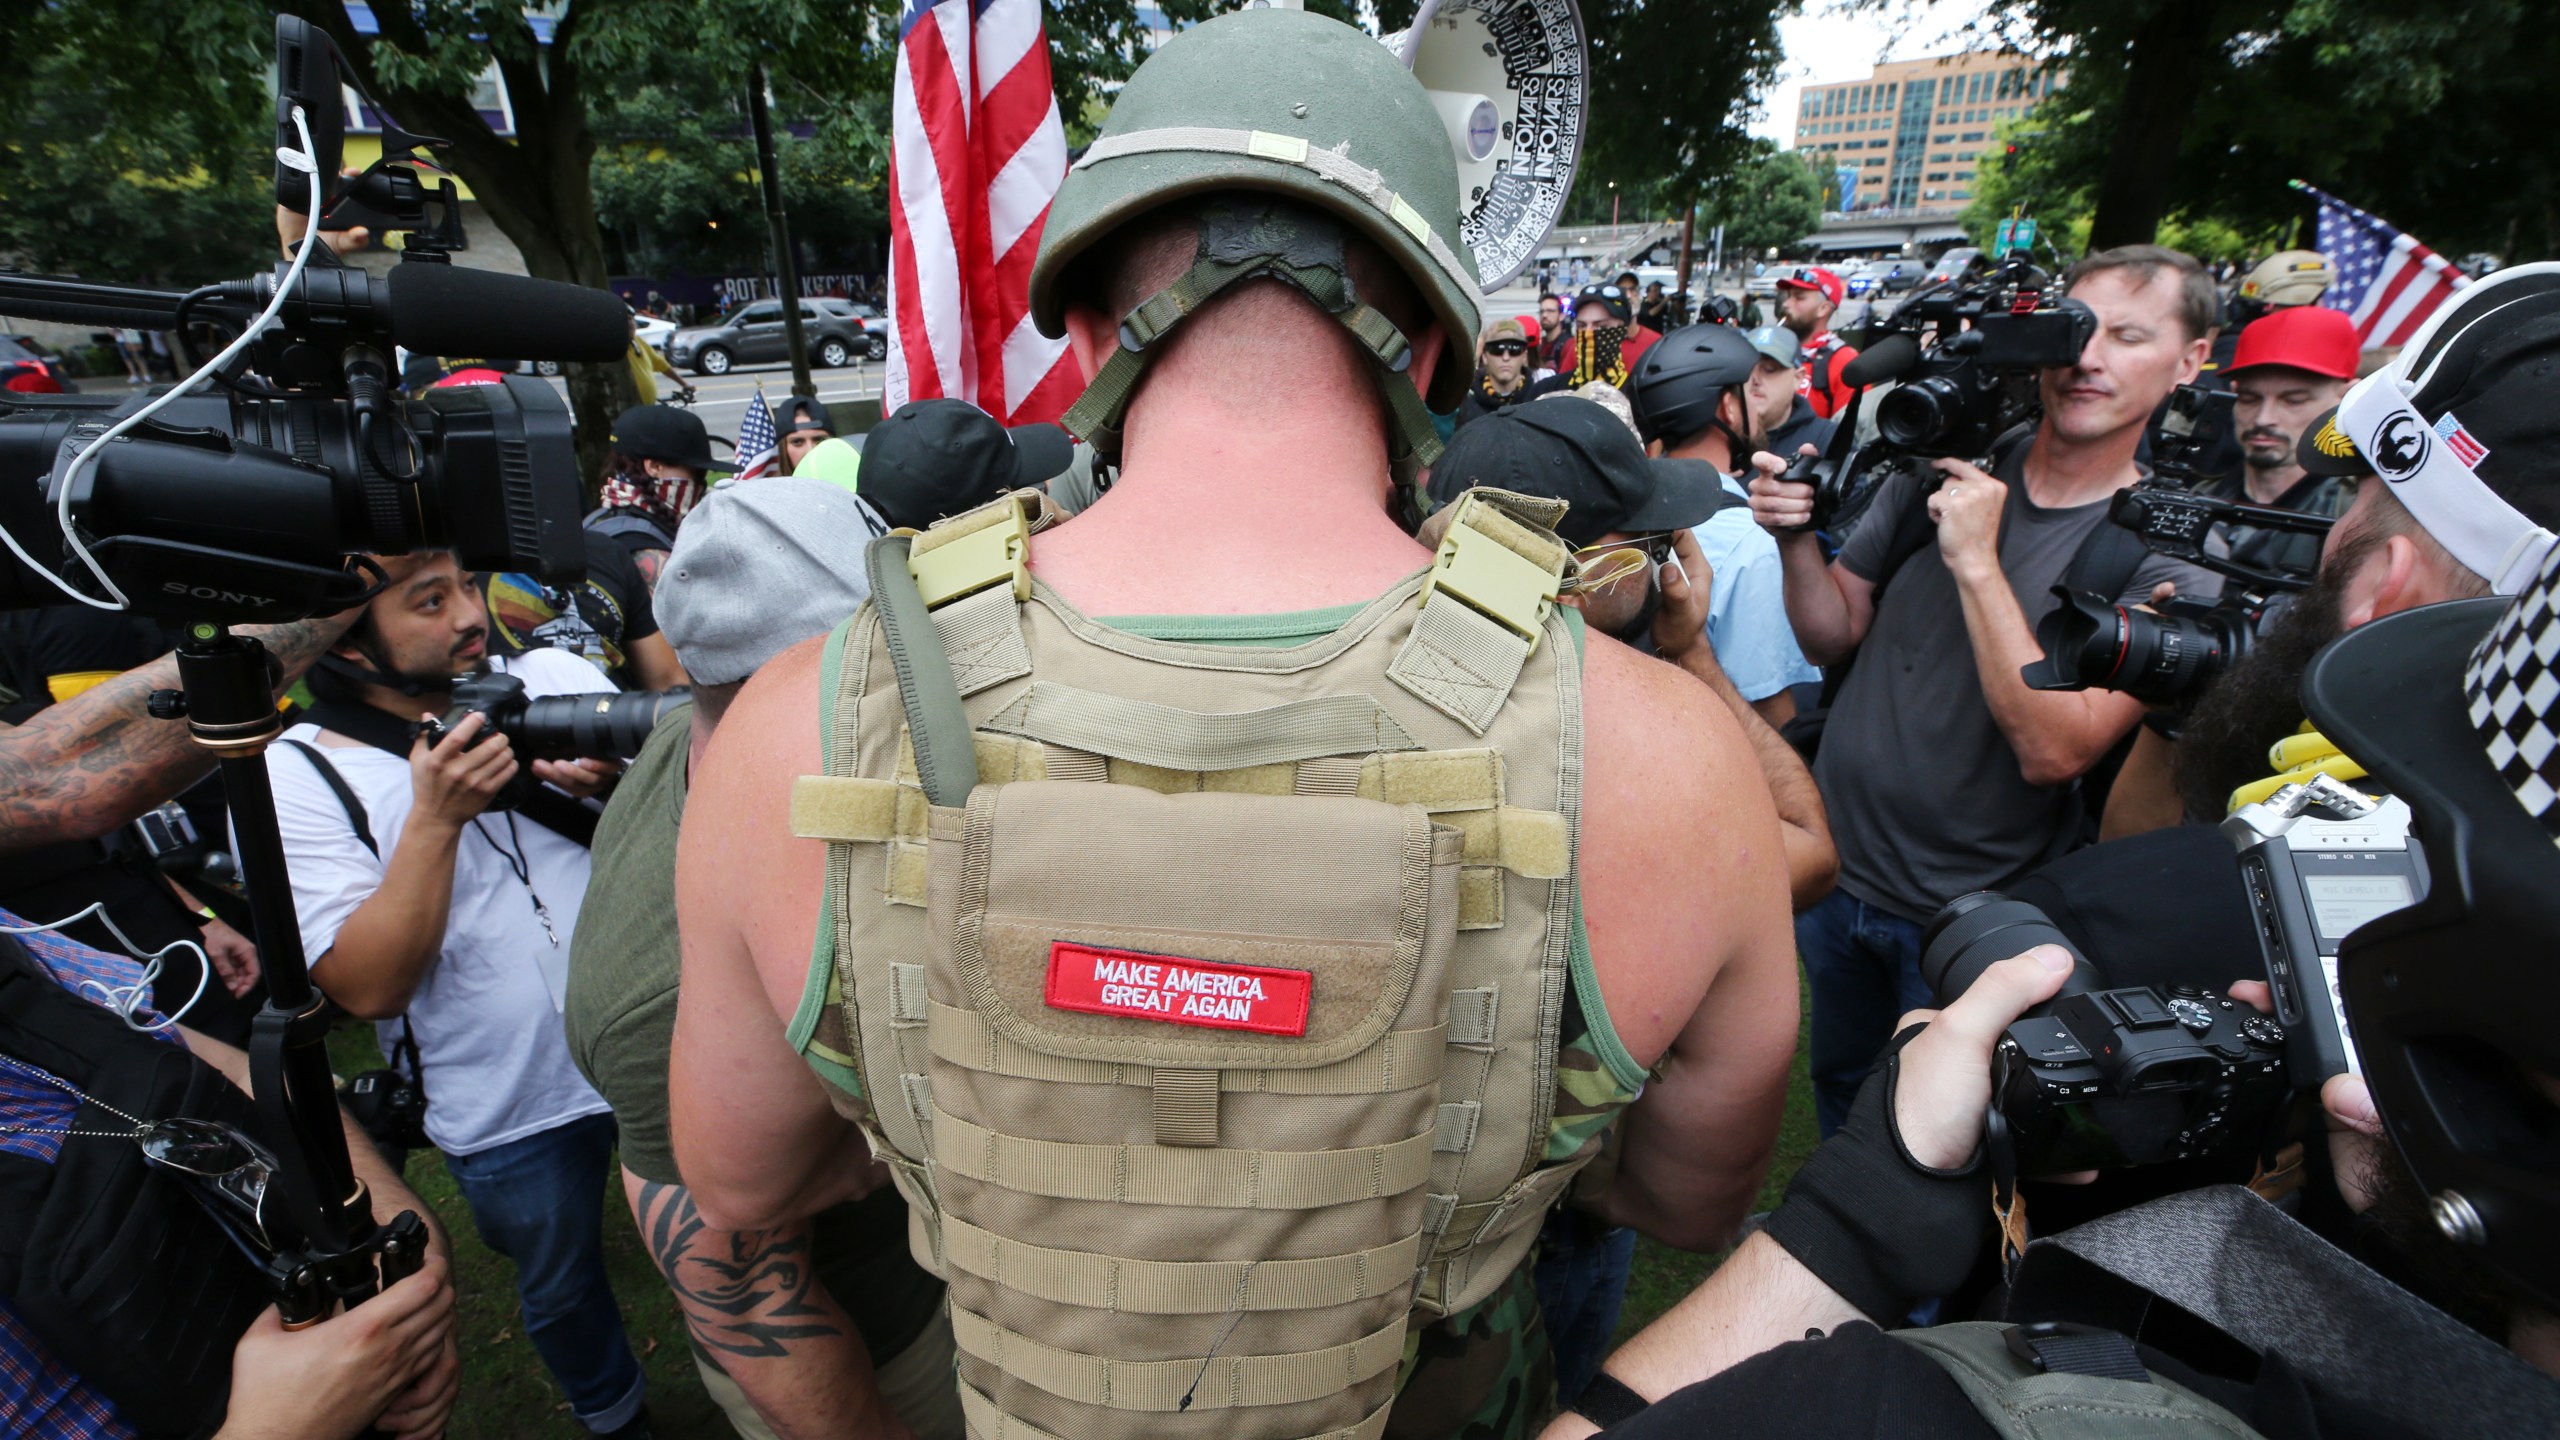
pixel 1962 357
pixel 2173 651
pixel 556 727
pixel 255 499
pixel 2101 1077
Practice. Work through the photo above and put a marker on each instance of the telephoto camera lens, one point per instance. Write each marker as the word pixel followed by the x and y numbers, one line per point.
pixel 1919 415
pixel 594 727
pixel 1978 931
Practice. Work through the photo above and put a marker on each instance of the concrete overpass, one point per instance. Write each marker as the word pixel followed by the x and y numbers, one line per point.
pixel 1885 229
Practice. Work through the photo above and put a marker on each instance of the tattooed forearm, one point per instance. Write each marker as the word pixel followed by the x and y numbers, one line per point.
pixel 747 1293
pixel 81 768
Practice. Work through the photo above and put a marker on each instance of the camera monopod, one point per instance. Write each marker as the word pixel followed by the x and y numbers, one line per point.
pixel 326 1246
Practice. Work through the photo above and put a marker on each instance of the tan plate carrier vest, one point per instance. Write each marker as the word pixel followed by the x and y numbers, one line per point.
pixel 1214 1039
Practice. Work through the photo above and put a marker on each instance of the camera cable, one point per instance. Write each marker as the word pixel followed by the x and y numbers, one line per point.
pixel 307 161
pixel 125 1000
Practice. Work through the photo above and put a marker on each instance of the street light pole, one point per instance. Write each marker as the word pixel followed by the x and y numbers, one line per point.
pixel 786 270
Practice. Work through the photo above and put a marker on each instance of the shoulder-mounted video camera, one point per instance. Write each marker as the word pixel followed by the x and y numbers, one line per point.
pixel 1961 358
pixel 255 499
pixel 2171 651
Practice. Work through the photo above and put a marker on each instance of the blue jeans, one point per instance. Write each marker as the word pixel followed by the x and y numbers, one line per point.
pixel 1862 966
pixel 539 1201
pixel 1582 1285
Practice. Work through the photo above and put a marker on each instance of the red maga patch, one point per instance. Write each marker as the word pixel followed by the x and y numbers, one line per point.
pixel 1099 980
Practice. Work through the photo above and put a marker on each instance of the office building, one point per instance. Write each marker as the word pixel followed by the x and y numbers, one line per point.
pixel 1912 133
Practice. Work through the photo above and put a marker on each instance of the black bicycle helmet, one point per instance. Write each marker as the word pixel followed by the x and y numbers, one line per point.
pixel 1680 380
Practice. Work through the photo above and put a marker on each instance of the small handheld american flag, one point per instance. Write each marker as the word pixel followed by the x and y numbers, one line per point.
pixel 756 452
pixel 2388 283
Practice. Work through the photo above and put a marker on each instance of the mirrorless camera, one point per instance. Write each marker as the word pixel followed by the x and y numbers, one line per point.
pixel 2098 1077
pixel 1962 358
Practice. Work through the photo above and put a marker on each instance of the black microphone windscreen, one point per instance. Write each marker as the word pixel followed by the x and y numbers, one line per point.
pixel 448 310
pixel 1886 359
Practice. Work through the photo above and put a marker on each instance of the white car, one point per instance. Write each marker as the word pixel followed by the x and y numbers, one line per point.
pixel 654 331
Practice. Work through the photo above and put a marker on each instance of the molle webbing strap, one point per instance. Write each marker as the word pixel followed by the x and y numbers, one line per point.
pixel 1221 1382
pixel 1403 1060
pixel 946 758
pixel 973 571
pixel 1174 739
pixel 986 1422
pixel 1494 581
pixel 1168 1287
pixel 1163 1175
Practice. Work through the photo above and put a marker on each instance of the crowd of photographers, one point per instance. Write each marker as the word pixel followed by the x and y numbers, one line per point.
pixel 1869 548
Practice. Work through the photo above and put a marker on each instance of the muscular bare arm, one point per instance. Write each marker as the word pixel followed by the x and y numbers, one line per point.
pixel 2145 795
pixel 1685 898
pixel 81 768
pixel 753 1301
pixel 1813 863
pixel 755 1137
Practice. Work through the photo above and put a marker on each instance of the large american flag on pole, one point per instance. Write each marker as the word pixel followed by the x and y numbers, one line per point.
pixel 2386 281
pixel 756 440
pixel 976 156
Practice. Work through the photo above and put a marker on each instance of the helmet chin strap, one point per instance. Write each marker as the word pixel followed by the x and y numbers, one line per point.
pixel 1248 238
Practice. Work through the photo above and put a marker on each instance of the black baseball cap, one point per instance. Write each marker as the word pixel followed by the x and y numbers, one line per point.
pixel 937 458
pixel 665 433
pixel 1564 447
pixel 803 412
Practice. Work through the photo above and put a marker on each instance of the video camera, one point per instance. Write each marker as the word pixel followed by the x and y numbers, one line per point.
pixel 253 501
pixel 2174 650
pixel 2096 1077
pixel 1962 356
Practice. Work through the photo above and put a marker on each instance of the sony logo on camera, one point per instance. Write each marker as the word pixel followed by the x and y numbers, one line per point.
pixel 216 596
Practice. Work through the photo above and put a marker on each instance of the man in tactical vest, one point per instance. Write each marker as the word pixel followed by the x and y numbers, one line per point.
pixel 2452 707
pixel 1232 986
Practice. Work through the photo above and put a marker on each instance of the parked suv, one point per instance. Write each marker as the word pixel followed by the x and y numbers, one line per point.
pixel 753 334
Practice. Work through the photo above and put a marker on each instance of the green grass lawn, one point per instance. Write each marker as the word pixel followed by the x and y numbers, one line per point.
pixel 507 1394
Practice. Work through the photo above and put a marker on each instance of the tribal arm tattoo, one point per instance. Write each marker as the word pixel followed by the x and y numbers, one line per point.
pixel 746 1294
pixel 81 768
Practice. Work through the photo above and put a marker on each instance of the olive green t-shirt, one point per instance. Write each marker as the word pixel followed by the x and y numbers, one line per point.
pixel 624 962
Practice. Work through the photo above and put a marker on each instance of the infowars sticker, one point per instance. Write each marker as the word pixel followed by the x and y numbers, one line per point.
pixel 1098 980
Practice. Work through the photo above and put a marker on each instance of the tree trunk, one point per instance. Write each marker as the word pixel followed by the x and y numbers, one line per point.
pixel 2164 68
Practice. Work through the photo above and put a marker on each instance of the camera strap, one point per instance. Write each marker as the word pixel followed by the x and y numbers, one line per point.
pixel 406 1051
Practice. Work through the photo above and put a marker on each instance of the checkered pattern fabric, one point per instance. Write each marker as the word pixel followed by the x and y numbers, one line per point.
pixel 2514 685
pixel 37 1104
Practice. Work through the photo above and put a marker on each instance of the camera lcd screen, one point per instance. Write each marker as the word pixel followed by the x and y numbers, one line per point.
pixel 2340 903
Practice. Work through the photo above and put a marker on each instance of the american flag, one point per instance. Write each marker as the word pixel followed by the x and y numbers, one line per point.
pixel 756 452
pixel 2386 282
pixel 976 156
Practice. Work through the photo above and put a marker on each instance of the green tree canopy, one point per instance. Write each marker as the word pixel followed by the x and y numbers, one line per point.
pixel 1773 200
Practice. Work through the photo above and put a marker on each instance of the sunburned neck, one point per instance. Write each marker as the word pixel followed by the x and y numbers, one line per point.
pixel 2062 472
pixel 1225 511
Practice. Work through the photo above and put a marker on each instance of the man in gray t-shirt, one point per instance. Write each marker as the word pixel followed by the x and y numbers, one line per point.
pixel 1943 772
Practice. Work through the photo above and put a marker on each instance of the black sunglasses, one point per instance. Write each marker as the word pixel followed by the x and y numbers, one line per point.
pixel 1507 347
pixel 1611 291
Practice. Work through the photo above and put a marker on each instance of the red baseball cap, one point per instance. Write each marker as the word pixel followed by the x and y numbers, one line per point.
pixel 2299 337
pixel 1529 326
pixel 1814 277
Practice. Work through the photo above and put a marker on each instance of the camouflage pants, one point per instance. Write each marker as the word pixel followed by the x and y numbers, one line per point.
pixel 1481 1374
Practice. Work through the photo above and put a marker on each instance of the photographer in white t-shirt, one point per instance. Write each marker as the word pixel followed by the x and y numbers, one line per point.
pixel 438 917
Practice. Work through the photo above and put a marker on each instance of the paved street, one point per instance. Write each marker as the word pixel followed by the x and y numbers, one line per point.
pixel 722 399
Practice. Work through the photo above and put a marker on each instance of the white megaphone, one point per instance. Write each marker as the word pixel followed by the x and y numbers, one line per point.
pixel 1510 80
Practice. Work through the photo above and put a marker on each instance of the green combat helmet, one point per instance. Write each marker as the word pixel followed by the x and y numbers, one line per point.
pixel 1325 121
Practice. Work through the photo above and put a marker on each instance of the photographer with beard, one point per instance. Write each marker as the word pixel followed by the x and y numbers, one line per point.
pixel 2253 1326
pixel 447 922
pixel 1943 772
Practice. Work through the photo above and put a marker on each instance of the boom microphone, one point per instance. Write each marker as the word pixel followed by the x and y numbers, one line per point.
pixel 1887 359
pixel 448 310
pixel 437 309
